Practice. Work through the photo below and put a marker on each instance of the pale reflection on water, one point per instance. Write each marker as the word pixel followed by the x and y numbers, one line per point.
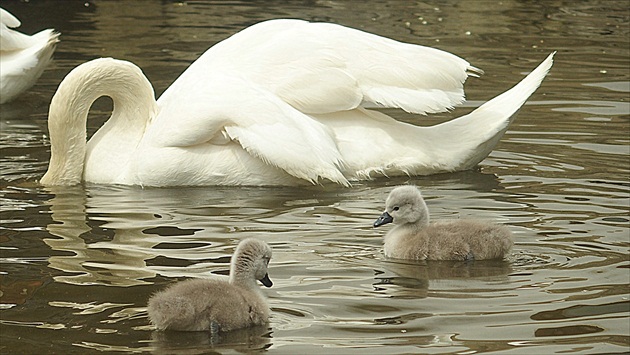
pixel 78 264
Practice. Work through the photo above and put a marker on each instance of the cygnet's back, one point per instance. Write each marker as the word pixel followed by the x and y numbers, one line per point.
pixel 414 237
pixel 218 304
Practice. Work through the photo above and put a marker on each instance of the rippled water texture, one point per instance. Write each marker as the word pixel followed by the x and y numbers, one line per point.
pixel 78 264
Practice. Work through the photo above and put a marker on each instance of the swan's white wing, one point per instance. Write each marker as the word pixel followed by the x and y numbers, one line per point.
pixel 258 88
pixel 21 67
pixel 324 68
pixel 11 40
pixel 7 19
pixel 211 110
pixel 22 57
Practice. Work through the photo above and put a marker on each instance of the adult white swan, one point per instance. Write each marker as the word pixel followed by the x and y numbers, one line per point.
pixel 23 58
pixel 282 102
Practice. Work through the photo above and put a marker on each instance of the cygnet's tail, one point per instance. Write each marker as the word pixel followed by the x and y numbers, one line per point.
pixel 473 136
pixel 170 312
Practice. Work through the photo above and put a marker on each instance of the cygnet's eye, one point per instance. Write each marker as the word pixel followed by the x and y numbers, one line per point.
pixel 396 208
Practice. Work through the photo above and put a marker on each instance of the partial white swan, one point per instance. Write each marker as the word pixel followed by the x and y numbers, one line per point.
pixel 415 238
pixel 280 103
pixel 22 57
pixel 218 304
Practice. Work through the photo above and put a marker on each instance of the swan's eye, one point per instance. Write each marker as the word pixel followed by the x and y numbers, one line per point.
pixel 396 208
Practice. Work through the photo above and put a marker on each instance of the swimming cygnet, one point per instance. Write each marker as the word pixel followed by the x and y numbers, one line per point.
pixel 415 238
pixel 218 304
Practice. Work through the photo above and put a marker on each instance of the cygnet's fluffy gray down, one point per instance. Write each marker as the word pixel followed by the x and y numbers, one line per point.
pixel 219 304
pixel 415 238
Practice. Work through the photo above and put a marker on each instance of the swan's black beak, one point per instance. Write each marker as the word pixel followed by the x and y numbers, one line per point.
pixel 266 281
pixel 383 219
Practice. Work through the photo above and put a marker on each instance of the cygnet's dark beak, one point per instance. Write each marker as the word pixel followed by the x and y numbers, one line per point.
pixel 266 281
pixel 383 219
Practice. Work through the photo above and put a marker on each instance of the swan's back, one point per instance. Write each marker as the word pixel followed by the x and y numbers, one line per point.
pixel 321 68
pixel 207 304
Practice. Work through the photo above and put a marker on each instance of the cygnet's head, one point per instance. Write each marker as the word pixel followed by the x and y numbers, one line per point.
pixel 404 205
pixel 250 262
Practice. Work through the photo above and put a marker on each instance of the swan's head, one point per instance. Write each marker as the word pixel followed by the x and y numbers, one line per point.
pixel 250 262
pixel 404 205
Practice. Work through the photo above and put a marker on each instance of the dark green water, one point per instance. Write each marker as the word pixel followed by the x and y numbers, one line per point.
pixel 78 264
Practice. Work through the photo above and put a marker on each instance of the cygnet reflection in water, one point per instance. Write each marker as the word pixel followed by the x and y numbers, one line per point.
pixel 241 340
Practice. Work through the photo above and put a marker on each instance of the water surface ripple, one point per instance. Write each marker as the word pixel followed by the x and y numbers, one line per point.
pixel 79 263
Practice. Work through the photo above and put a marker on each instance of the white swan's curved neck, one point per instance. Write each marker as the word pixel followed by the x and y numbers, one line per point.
pixel 134 106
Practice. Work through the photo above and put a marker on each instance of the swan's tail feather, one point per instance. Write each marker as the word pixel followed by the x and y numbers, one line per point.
pixel 482 129
pixel 474 71
pixel 21 67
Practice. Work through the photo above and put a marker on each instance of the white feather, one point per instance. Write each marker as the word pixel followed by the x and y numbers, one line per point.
pixel 23 58
pixel 282 102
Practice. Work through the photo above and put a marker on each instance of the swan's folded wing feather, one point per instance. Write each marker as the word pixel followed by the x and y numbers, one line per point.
pixel 27 52
pixel 11 40
pixel 7 19
pixel 229 107
pixel 293 150
pixel 285 56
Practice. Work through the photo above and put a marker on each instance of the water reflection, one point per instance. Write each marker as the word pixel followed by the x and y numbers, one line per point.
pixel 121 261
pixel 78 265
pixel 568 330
pixel 113 236
pixel 413 275
pixel 122 236
pixel 241 340
pixel 583 311
pixel 105 239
